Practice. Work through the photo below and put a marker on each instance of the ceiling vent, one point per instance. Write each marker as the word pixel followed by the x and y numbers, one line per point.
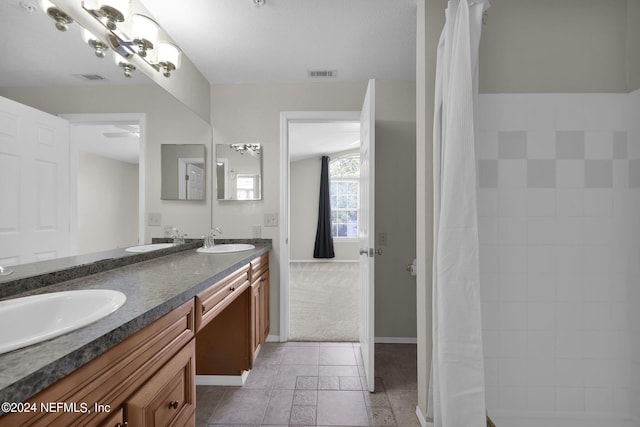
pixel 90 77
pixel 323 73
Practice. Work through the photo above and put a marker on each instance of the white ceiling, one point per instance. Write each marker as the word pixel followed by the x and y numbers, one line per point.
pixel 232 41
pixel 229 41
pixel 307 140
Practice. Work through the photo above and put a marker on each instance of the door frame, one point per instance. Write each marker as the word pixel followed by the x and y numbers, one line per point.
pixel 104 118
pixel 285 118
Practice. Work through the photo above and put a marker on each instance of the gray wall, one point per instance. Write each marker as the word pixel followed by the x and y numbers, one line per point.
pixel 556 46
pixel 251 112
pixel 107 203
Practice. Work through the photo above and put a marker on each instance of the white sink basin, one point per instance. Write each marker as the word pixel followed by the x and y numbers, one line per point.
pixel 226 248
pixel 33 319
pixel 150 247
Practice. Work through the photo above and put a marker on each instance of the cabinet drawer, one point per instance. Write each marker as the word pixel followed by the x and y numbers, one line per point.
pixel 168 398
pixel 259 265
pixel 210 302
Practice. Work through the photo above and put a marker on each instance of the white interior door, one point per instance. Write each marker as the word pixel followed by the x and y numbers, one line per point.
pixel 34 184
pixel 195 189
pixel 367 231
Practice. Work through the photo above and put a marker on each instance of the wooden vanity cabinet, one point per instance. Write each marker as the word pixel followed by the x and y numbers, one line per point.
pixel 148 370
pixel 234 320
pixel 259 303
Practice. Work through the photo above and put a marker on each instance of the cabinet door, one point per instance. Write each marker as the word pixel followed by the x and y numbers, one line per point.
pixel 256 324
pixel 167 399
pixel 264 306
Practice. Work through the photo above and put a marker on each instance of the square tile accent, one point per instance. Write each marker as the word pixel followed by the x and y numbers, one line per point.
pixel 329 383
pixel 570 173
pixel 541 173
pixel 570 145
pixel 619 145
pixel 303 415
pixel 488 173
pixel 305 397
pixel 634 173
pixel 512 145
pixel 598 174
pixel 307 383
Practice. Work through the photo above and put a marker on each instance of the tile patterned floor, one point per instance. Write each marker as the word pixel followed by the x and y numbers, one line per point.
pixel 316 384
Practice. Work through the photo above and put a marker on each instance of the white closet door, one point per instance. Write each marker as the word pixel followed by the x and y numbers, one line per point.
pixel 34 184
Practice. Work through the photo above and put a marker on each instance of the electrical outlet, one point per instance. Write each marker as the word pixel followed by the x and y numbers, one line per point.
pixel 383 238
pixel 154 219
pixel 271 220
pixel 256 231
pixel 168 230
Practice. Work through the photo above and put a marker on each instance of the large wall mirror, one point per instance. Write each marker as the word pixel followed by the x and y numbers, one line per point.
pixel 239 171
pixel 183 171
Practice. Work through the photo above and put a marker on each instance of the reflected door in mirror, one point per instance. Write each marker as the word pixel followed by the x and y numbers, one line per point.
pixel 183 171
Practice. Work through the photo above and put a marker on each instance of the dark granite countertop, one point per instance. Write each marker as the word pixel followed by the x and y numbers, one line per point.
pixel 153 288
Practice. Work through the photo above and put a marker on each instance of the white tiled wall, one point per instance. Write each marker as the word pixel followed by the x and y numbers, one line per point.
pixel 559 216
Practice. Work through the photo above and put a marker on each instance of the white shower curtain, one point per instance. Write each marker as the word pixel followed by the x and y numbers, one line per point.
pixel 456 389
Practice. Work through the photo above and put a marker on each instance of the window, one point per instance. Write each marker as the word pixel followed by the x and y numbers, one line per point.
pixel 344 175
pixel 247 186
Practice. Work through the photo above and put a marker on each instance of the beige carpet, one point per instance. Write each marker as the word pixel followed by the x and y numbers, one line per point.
pixel 324 301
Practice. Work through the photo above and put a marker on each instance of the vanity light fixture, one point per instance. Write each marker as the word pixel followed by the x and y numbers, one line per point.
pixel 144 32
pixel 169 58
pixel 112 11
pixel 62 19
pixel 121 62
pixel 253 149
pixel 99 47
pixel 258 3
pixel 138 36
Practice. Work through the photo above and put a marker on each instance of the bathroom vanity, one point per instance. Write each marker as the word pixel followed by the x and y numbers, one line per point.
pixel 185 312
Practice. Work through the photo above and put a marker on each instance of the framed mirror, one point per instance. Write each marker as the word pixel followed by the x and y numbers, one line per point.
pixel 239 171
pixel 183 171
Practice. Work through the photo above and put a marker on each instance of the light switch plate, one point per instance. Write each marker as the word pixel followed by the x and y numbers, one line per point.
pixel 271 220
pixel 154 219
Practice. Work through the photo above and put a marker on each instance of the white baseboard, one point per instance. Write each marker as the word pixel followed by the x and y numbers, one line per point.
pixel 422 419
pixel 223 380
pixel 396 340
pixel 556 418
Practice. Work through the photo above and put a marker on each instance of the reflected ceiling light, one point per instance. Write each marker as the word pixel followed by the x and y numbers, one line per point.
pixel 113 11
pixel 121 62
pixel 258 3
pixel 62 19
pixel 144 32
pixel 99 47
pixel 169 58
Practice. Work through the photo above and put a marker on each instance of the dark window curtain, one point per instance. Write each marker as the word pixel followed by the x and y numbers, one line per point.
pixel 324 240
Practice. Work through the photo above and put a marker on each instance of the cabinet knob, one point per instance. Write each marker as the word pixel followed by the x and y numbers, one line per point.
pixel 173 404
pixel 232 289
pixel 124 424
pixel 263 279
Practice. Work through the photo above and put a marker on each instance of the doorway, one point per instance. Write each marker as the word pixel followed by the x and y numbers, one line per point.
pixel 321 301
pixel 107 181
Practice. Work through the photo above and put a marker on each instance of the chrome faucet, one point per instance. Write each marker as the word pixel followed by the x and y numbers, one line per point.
pixel 209 241
pixel 178 239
